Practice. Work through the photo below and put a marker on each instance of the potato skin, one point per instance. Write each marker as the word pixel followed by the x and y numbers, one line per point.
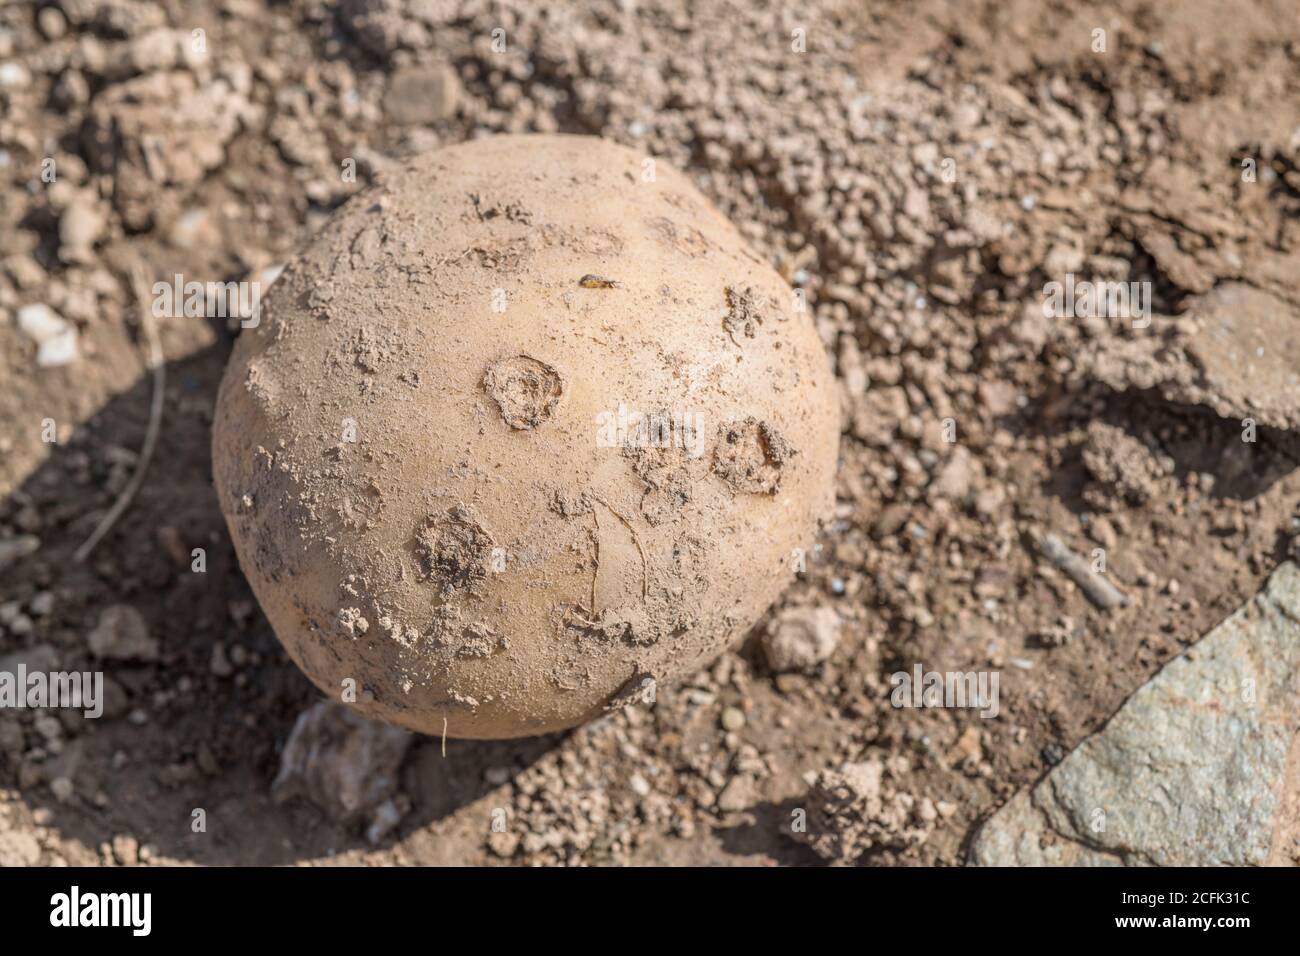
pixel 409 455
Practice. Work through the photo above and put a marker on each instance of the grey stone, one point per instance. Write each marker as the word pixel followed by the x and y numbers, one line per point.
pixel 18 848
pixel 42 658
pixel 800 638
pixel 346 765
pixel 1236 351
pixel 739 794
pixel 421 95
pixel 1198 768
pixel 55 336
pixel 13 550
pixel 80 227
pixel 122 635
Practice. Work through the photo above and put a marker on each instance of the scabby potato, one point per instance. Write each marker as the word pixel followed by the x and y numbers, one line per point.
pixel 525 432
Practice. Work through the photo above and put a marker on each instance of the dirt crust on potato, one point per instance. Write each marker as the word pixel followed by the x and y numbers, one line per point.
pixel 526 425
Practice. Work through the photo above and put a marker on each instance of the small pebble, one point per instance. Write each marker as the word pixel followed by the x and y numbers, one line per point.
pixel 51 23
pixel 62 789
pixel 733 719
pixel 55 336
pixel 13 77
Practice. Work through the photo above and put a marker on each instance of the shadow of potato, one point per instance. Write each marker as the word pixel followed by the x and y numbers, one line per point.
pixel 180 734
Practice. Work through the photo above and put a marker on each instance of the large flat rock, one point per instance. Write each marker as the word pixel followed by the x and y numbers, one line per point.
pixel 1200 767
pixel 1235 351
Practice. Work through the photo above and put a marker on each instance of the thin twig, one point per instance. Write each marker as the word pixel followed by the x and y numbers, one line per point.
pixel 1097 589
pixel 155 363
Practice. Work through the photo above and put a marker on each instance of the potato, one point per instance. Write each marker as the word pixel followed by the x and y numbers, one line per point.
pixel 524 431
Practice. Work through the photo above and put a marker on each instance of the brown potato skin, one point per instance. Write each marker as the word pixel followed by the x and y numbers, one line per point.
pixel 474 559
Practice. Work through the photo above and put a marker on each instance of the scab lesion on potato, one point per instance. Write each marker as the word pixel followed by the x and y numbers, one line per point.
pixel 630 624
pixel 750 455
pixel 525 390
pixel 453 551
pixel 669 474
pixel 506 257
pixel 352 622
pixel 747 309
pixel 685 239
pixel 569 504
pixel 485 210
pixel 397 631
pixel 451 636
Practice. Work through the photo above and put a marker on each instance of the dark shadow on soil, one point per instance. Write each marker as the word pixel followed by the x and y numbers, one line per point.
pixel 758 836
pixel 1196 439
pixel 179 734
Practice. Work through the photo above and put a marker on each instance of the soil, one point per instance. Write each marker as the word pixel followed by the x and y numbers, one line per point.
pixel 920 171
